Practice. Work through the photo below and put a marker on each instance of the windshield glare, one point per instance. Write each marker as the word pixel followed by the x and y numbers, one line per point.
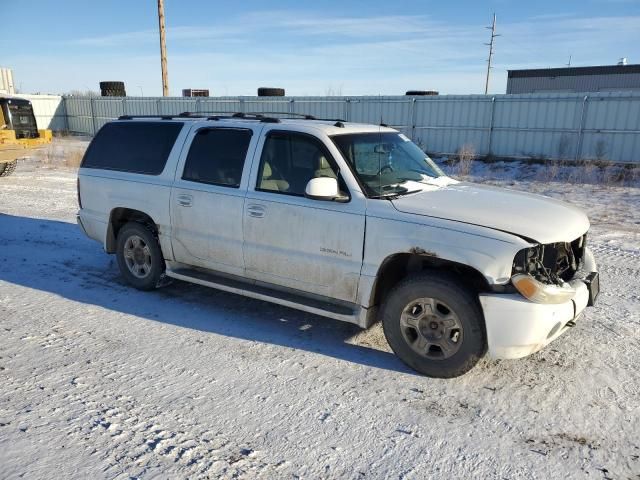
pixel 386 162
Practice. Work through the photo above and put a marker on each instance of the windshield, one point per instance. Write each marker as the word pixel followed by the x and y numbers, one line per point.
pixel 386 163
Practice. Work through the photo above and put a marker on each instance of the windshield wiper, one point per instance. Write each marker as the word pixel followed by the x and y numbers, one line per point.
pixel 394 195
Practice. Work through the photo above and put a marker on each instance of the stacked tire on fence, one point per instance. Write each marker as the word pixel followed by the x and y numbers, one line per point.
pixel 421 92
pixel 112 89
pixel 270 92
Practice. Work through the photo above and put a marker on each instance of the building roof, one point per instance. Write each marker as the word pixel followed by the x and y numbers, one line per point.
pixel 575 71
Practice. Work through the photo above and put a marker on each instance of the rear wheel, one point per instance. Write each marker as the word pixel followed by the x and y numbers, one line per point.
pixel 434 325
pixel 139 256
pixel 8 168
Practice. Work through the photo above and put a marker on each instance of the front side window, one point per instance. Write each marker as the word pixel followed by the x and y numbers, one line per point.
pixel 386 163
pixel 290 160
pixel 217 156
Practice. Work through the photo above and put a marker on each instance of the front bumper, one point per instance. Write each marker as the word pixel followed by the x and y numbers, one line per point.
pixel 517 327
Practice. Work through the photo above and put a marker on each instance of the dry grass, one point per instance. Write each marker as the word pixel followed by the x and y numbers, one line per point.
pixel 464 160
pixel 589 171
pixel 74 158
pixel 58 155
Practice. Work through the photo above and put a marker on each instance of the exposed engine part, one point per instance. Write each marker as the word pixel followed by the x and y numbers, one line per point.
pixel 554 263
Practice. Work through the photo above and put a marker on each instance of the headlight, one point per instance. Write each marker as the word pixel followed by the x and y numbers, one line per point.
pixel 538 292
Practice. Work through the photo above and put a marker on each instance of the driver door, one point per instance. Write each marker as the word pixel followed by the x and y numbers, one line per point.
pixel 293 241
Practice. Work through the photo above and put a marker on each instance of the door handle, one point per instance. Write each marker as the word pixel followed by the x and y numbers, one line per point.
pixel 184 200
pixel 256 210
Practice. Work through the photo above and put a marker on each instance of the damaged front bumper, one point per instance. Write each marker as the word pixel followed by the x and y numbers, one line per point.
pixel 517 327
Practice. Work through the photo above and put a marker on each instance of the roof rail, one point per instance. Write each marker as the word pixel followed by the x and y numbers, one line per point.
pixel 130 117
pixel 260 116
pixel 304 116
pixel 229 115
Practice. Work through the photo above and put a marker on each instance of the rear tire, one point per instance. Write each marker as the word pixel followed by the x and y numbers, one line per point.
pixel 8 168
pixel 434 325
pixel 139 256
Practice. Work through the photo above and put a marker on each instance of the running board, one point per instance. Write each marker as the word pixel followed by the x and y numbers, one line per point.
pixel 287 299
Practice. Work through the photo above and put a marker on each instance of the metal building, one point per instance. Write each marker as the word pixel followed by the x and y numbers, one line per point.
pixel 6 81
pixel 606 78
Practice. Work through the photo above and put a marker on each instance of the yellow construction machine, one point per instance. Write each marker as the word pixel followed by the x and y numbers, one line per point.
pixel 19 134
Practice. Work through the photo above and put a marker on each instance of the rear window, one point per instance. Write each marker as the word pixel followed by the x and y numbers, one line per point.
pixel 136 147
pixel 217 156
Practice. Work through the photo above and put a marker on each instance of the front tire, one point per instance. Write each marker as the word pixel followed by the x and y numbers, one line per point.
pixel 139 256
pixel 434 325
pixel 8 168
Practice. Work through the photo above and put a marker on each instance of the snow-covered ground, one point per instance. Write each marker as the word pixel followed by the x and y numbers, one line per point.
pixel 98 380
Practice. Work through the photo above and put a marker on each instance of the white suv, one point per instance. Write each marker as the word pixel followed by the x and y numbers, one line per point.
pixel 349 221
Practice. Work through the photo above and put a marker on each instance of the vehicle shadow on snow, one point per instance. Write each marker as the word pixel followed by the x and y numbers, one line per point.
pixel 55 257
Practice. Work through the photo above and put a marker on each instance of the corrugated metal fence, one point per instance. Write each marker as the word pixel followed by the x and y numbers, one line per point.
pixel 603 126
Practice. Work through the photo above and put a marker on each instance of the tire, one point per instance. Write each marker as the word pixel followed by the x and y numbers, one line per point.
pixel 270 92
pixel 133 237
pixel 113 93
pixel 8 168
pixel 111 85
pixel 422 92
pixel 452 319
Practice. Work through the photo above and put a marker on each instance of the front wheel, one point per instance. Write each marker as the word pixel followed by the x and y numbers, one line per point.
pixel 8 168
pixel 434 325
pixel 139 256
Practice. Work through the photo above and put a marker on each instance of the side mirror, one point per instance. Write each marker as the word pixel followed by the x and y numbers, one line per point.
pixel 322 188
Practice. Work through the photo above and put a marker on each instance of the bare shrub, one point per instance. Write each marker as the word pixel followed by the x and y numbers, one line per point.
pixel 552 170
pixel 601 149
pixel 583 171
pixel 74 158
pixel 464 160
pixel 563 146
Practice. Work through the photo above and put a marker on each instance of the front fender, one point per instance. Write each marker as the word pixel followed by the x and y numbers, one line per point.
pixel 488 251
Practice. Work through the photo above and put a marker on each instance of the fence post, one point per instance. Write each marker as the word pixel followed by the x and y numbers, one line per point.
pixel 93 114
pixel 347 109
pixel 413 119
pixel 158 109
pixel 198 109
pixel 583 115
pixel 66 114
pixel 124 105
pixel 490 142
pixel 291 109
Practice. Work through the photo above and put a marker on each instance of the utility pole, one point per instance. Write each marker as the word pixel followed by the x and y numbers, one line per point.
pixel 163 50
pixel 490 45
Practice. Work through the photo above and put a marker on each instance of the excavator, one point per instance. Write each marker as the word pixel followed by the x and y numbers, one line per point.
pixel 19 134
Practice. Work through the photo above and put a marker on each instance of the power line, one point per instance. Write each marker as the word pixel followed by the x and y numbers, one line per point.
pixel 490 45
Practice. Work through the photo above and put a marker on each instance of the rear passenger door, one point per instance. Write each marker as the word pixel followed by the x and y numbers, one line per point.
pixel 207 197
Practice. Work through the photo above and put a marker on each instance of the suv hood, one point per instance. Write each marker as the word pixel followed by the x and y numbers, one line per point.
pixel 535 217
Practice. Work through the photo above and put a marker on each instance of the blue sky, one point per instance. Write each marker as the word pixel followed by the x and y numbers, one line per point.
pixel 310 48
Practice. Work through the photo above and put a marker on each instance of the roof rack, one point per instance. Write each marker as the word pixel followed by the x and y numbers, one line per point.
pixel 129 117
pixel 259 116
pixel 207 116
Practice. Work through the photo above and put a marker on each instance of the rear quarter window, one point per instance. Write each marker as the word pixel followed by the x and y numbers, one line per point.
pixel 136 147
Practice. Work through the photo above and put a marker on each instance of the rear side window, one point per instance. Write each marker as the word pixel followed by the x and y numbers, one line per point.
pixel 217 155
pixel 136 147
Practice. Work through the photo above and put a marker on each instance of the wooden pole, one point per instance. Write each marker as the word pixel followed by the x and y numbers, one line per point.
pixel 163 50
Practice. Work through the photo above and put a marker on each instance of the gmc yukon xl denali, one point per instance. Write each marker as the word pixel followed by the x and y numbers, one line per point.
pixel 349 221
